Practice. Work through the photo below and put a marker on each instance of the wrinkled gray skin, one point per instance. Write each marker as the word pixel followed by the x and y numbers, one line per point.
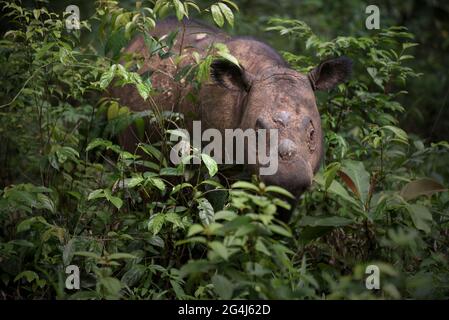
pixel 265 93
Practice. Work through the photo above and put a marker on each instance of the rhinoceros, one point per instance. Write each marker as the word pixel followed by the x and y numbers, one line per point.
pixel 261 92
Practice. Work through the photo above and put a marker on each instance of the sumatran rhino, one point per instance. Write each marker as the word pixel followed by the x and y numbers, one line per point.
pixel 264 92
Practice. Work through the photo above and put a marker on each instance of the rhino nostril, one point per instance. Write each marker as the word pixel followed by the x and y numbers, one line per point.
pixel 262 124
pixel 287 149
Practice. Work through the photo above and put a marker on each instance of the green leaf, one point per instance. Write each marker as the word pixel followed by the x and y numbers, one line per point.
pixel 22 243
pixel 42 51
pixel 112 287
pixel 99 193
pixel 330 173
pixel 144 89
pixel 193 5
pixel 156 222
pixel 139 123
pixel 174 219
pixel 225 215
pixel 170 172
pixel 179 291
pixel 36 13
pixel 421 217
pixel 280 230
pixel 65 153
pixel 223 287
pixel 232 4
pixel 113 110
pixel 28 275
pixel 151 151
pixel 355 176
pixel 179 8
pixel 107 77
pixel 324 221
pixel 377 80
pixel 210 164
pixel 261 247
pixel 279 190
pixel 229 57
pixel 212 183
pixel 398 132
pixel 219 249
pixel 27 223
pixel 157 241
pixel 337 189
pixel 87 254
pixel 180 187
pixel 132 182
pixel 117 202
pixel 192 240
pixel 46 202
pixel 195 267
pixel 217 15
pixel 195 229
pixel 97 143
pixel 420 187
pixel 203 73
pixel 133 275
pixel 158 183
pixel 244 185
pixel 118 256
pixel 227 12
pixel 206 211
pixel 407 45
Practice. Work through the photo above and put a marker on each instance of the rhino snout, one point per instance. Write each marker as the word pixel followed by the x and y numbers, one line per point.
pixel 296 176
pixel 287 149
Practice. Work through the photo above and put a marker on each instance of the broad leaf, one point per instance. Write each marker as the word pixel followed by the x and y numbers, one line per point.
pixel 223 286
pixel 219 249
pixel 421 187
pixel 421 217
pixel 156 222
pixel 206 211
pixel 217 15
pixel 210 164
pixel 325 221
pixel 355 176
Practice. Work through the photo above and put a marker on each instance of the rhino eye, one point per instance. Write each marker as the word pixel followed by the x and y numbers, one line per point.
pixel 311 137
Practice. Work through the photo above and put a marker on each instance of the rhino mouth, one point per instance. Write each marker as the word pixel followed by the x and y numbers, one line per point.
pixel 295 176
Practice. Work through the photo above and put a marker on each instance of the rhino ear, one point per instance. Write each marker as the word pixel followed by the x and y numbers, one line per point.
pixel 330 73
pixel 229 75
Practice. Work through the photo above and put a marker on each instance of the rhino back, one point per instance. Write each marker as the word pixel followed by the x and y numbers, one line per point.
pixel 217 107
pixel 192 36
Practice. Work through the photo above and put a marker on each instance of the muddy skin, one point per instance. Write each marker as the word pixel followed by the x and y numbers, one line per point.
pixel 263 93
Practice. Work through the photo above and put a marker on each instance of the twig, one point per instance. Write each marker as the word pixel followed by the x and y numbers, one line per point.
pixel 24 85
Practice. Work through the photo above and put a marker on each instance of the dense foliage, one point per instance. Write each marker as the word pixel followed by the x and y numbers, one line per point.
pixel 71 196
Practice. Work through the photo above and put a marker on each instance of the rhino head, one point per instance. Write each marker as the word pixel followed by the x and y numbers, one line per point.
pixel 278 97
